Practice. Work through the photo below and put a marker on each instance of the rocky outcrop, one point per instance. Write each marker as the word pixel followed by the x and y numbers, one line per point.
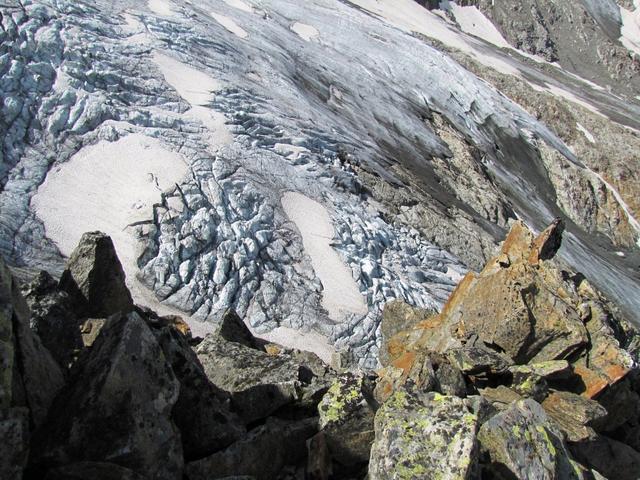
pixel 94 278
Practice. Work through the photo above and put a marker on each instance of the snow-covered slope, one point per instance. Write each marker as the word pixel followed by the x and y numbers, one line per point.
pixel 227 135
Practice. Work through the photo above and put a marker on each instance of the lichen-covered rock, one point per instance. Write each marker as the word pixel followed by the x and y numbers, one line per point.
pixel 521 442
pixel 53 318
pixel 397 316
pixel 259 383
pixel 574 414
pixel 94 278
pixel 201 412
pixel 424 436
pixel 346 417
pixel 116 407
pixel 475 358
pixel 262 455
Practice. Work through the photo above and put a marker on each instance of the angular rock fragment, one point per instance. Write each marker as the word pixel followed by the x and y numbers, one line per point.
pixel 346 418
pixel 261 455
pixel 233 329
pixel 424 436
pixel 574 414
pixel 94 278
pixel 521 442
pixel 116 407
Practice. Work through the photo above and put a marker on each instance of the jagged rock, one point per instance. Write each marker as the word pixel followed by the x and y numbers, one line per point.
pixel 346 417
pixel 93 471
pixel 94 278
pixel 90 329
pixel 477 358
pixel 500 396
pixel 423 436
pixel 530 385
pixel 262 455
pixel 233 329
pixel 319 465
pixel 574 414
pixel 259 383
pixel 201 412
pixel 32 377
pixel 521 442
pixel 397 316
pixel 611 458
pixel 450 380
pixel 416 369
pixel 14 450
pixel 116 407
pixel 53 318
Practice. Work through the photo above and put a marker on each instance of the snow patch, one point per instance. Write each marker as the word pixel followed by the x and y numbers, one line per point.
pixel 240 5
pixel 193 85
pixel 304 31
pixel 229 24
pixel 473 22
pixel 306 341
pixel 161 7
pixel 586 133
pixel 107 187
pixel 341 296
pixel 630 30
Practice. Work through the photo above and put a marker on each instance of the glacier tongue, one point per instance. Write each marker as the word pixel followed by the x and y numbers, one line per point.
pixel 315 94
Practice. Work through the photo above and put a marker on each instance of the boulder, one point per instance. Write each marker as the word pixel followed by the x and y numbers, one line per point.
pixel 611 458
pixel 450 380
pixel 522 442
pixel 201 412
pixel 574 414
pixel 423 436
pixel 475 358
pixel 233 329
pixel 32 377
pixel 94 278
pixel 346 418
pixel 93 471
pixel 397 316
pixel 116 407
pixel 259 383
pixel 500 397
pixel 14 450
pixel 262 455
pixel 53 318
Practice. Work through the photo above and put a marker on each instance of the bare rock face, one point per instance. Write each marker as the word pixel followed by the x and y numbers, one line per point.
pixel 116 406
pixel 94 278
pixel 424 436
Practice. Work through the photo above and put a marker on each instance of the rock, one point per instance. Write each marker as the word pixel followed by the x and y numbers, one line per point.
pixel 94 278
pixel 116 407
pixel 233 329
pixel 397 316
pixel 32 377
pixel 551 370
pixel 547 243
pixel 476 358
pixel 93 471
pixel 423 436
pixel 611 458
pixel 346 418
pixel 262 455
pixel 90 329
pixel 259 383
pixel 529 384
pixel 450 380
pixel 201 412
pixel 53 318
pixel 500 396
pixel 521 442
pixel 574 414
pixel 318 458
pixel 14 431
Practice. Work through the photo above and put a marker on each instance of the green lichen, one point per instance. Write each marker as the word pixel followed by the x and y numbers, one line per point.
pixel 517 433
pixel 550 446
pixel 337 398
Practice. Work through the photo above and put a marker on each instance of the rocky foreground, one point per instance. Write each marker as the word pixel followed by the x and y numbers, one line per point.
pixel 526 373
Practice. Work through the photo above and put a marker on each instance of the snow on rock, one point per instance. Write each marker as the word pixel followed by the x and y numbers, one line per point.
pixel 340 293
pixel 306 32
pixel 473 22
pixel 630 30
pixel 191 84
pixel 161 7
pixel 586 133
pixel 229 24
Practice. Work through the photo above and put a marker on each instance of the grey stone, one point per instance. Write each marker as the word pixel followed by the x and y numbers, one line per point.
pixel 94 278
pixel 611 458
pixel 93 471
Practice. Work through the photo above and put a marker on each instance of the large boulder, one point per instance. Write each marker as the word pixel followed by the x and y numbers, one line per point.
pixel 262 455
pixel 116 407
pixel 259 383
pixel 574 414
pixel 94 278
pixel 522 442
pixel 424 436
pixel 346 413
pixel 201 412
pixel 53 318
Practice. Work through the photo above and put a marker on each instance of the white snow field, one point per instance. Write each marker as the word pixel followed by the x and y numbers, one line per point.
pixel 340 294
pixel 244 144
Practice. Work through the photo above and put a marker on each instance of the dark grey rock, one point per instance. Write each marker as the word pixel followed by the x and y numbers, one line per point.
pixel 233 329
pixel 14 449
pixel 611 458
pixel 93 471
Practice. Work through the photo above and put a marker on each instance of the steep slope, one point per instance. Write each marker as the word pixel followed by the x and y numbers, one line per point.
pixel 222 107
